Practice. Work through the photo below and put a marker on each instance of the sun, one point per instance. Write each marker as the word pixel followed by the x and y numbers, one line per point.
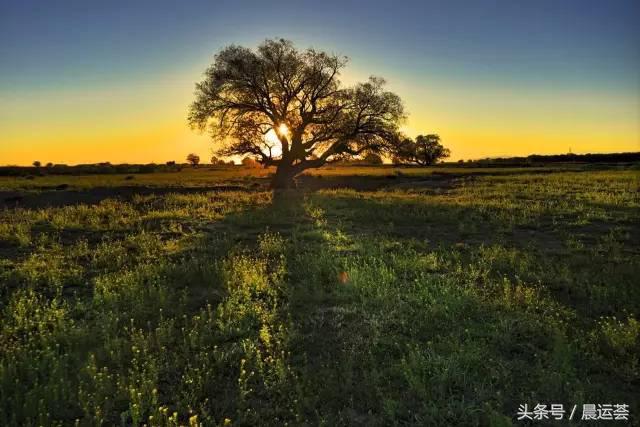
pixel 272 139
pixel 283 129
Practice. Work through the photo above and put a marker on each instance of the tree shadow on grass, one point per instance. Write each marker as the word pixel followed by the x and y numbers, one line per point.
pixel 369 351
pixel 402 337
pixel 317 309
pixel 537 252
pixel 366 348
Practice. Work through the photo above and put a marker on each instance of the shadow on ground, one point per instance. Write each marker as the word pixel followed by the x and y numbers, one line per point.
pixel 65 196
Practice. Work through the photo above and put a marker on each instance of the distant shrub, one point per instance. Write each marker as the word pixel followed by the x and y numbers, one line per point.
pixel 216 161
pixel 193 159
pixel 248 162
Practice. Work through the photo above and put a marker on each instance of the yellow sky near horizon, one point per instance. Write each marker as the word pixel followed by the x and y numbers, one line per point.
pixel 146 122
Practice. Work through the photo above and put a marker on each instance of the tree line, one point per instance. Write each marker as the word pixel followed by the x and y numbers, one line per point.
pixel 539 159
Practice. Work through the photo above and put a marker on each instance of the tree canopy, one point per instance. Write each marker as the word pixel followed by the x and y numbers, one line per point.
pixel 193 159
pixel 373 159
pixel 287 108
pixel 425 150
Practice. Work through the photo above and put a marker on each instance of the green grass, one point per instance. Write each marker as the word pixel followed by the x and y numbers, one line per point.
pixel 200 177
pixel 423 302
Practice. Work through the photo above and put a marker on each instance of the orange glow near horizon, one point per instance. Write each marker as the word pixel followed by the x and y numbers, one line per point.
pixel 145 123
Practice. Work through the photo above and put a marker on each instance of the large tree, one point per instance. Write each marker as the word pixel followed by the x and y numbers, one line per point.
pixel 287 108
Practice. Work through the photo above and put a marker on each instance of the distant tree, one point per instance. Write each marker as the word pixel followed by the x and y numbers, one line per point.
pixel 249 162
pixel 37 164
pixel 425 150
pixel 171 163
pixel 217 161
pixel 231 163
pixel 296 97
pixel 193 159
pixel 49 165
pixel 373 159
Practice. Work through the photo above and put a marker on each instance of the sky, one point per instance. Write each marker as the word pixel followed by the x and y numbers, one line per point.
pixel 88 81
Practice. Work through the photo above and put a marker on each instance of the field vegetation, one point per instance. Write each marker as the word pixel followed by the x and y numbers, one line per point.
pixel 368 296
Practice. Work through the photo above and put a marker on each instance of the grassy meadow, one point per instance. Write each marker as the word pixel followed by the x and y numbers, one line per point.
pixel 370 296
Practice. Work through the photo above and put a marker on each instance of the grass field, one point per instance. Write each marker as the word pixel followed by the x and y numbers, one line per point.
pixel 371 296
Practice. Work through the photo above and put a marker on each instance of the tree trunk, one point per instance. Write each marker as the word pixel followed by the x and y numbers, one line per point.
pixel 283 178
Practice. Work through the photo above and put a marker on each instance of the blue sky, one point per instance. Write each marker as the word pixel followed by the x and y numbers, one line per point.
pixel 493 77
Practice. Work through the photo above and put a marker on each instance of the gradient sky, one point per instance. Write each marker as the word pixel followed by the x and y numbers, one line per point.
pixel 88 81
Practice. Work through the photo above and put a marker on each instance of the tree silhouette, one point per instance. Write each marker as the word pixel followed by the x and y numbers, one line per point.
pixel 193 159
pixel 424 151
pixel 217 161
pixel 287 108
pixel 373 159
pixel 37 164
